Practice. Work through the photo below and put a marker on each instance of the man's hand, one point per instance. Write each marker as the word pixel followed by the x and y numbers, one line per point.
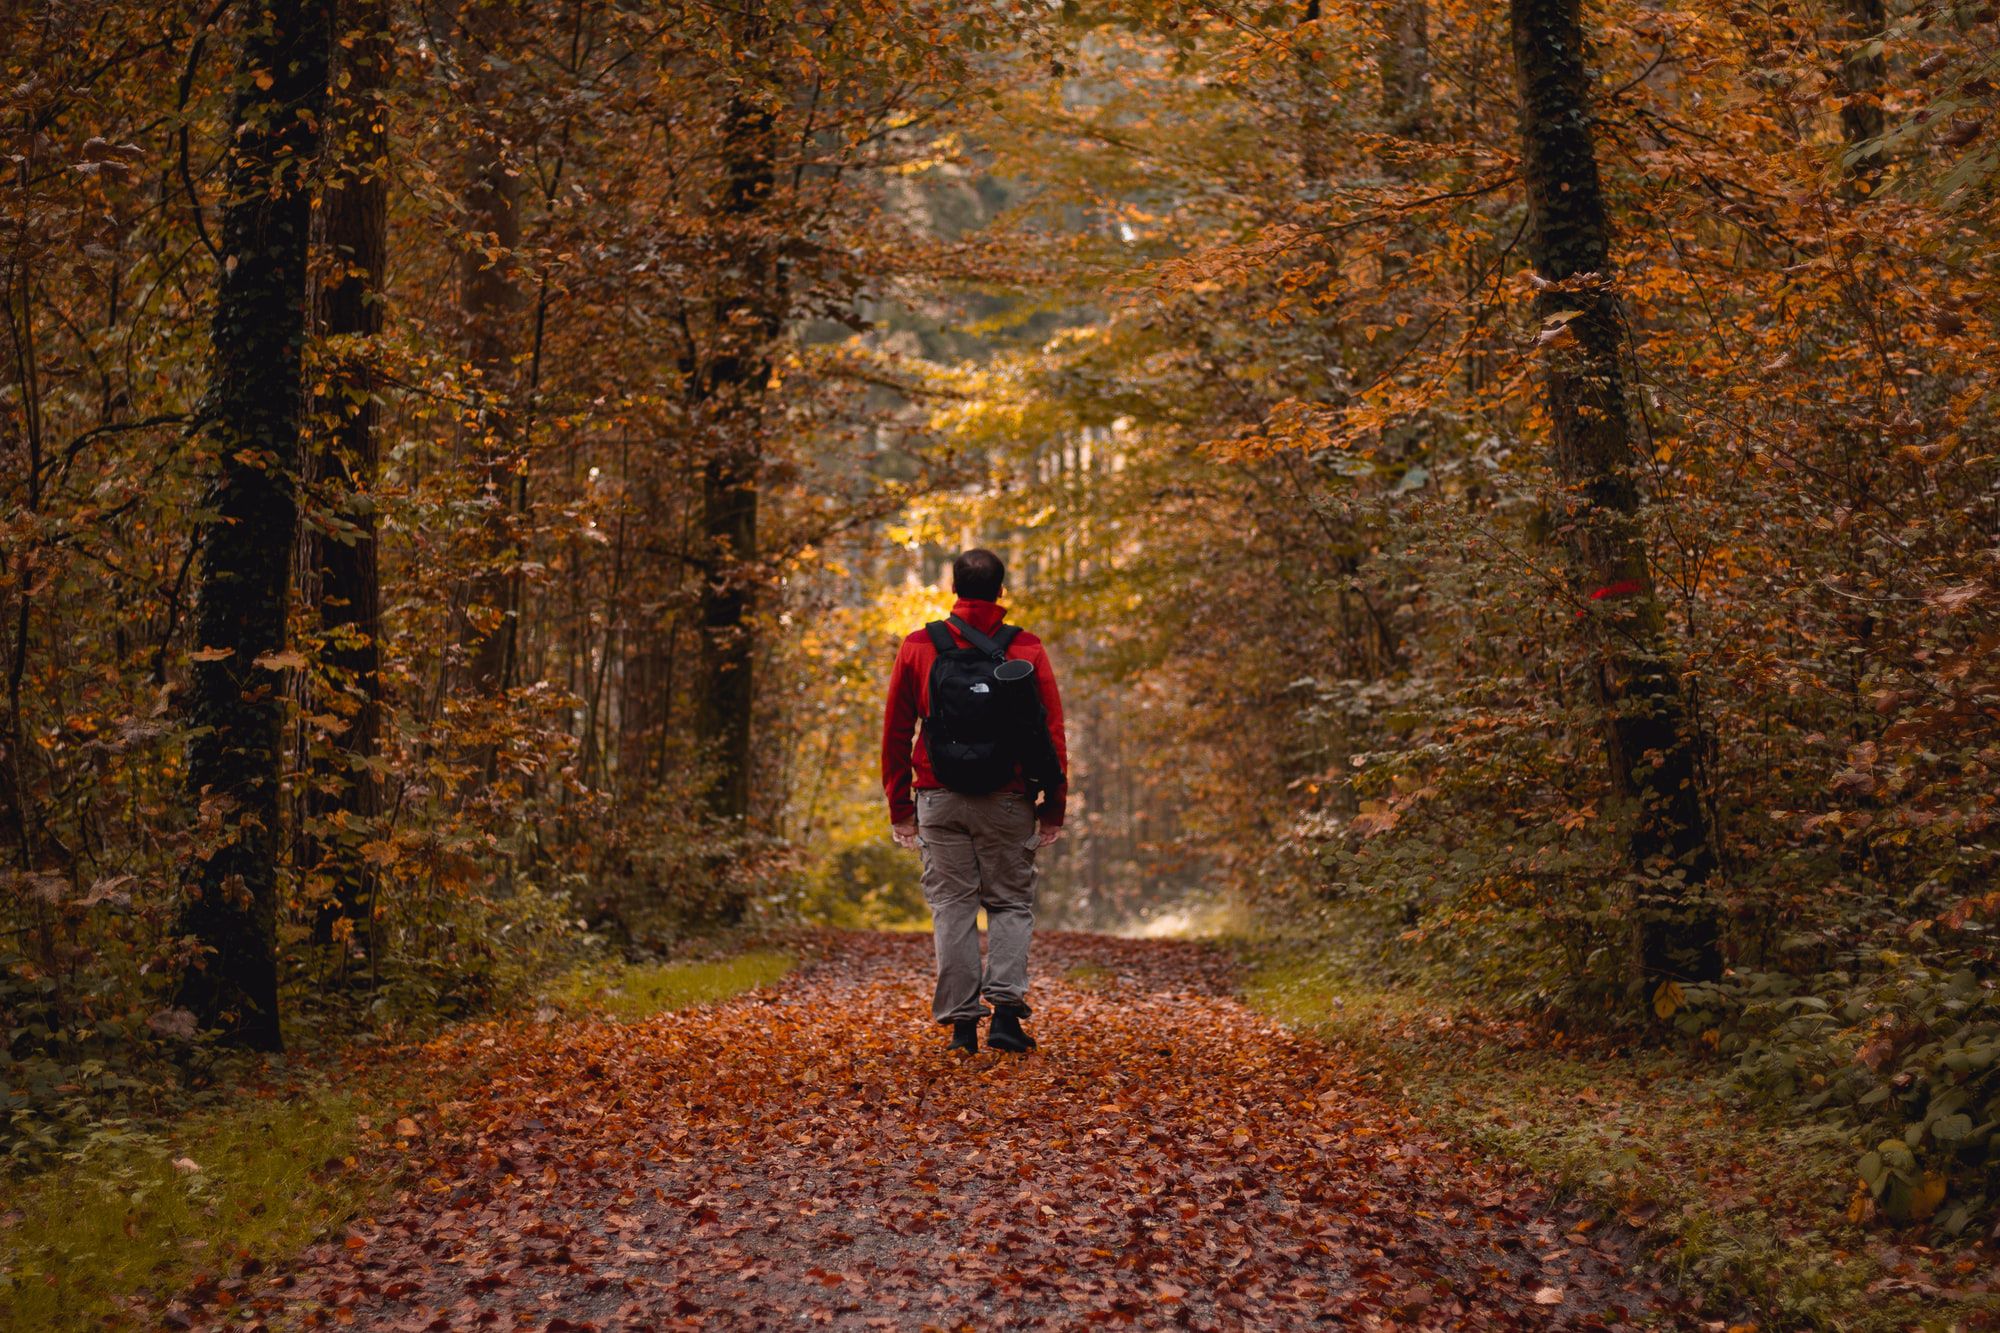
pixel 904 833
pixel 1048 834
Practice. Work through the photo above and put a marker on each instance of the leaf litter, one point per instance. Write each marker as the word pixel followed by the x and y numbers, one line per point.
pixel 812 1156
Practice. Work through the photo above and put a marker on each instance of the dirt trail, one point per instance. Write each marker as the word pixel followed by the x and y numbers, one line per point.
pixel 811 1156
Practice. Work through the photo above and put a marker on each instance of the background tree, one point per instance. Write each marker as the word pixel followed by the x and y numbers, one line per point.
pixel 344 578
pixel 483 50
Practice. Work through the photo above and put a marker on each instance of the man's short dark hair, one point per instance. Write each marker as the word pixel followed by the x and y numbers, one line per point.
pixel 978 573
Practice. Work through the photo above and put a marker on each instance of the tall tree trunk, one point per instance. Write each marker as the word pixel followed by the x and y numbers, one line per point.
pixel 730 385
pixel 253 416
pixel 1307 50
pixel 343 798
pixel 1404 66
pixel 1647 737
pixel 489 302
pixel 1405 71
pixel 1862 73
pixel 18 561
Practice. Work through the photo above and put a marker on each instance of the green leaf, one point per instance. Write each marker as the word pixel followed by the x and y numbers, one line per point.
pixel 1952 1128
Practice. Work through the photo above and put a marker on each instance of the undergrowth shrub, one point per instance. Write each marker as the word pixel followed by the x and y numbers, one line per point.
pixel 1902 1050
pixel 865 885
pixel 475 952
pixel 1464 806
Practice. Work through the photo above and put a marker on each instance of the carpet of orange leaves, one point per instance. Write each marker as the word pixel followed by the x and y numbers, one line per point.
pixel 811 1156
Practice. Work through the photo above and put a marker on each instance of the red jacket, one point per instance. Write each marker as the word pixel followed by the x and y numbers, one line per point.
pixel 904 758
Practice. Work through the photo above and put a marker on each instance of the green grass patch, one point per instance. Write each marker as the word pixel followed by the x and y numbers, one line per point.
pixel 1736 1202
pixel 129 1218
pixel 632 991
pixel 1089 976
pixel 133 1216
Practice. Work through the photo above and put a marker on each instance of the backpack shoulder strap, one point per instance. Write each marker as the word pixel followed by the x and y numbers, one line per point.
pixel 1003 638
pixel 978 640
pixel 941 637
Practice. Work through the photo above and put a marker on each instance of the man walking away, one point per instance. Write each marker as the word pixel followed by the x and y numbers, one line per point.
pixel 991 744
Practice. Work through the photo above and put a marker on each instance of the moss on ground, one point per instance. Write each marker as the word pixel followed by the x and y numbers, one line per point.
pixel 637 990
pixel 1735 1202
pixel 1089 976
pixel 127 1217
pixel 136 1215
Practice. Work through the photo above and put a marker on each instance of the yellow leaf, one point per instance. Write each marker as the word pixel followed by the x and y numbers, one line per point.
pixel 1926 1195
pixel 1668 998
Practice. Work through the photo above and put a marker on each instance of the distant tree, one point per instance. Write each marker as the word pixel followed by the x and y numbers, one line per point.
pixel 1862 71
pixel 344 568
pixel 489 306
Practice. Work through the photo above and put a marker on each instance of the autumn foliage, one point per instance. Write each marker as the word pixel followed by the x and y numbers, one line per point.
pixel 1513 484
pixel 1331 541
pixel 385 672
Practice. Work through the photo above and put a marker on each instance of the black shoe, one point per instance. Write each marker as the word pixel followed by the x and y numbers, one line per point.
pixel 1005 1034
pixel 964 1036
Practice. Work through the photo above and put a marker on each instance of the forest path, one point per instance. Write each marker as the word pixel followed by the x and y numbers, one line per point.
pixel 811 1156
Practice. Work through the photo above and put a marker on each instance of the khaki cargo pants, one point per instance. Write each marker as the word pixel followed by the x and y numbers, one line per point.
pixel 978 851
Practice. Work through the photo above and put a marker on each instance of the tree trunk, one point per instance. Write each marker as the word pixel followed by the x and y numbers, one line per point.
pixel 1405 69
pixel 1862 73
pixel 1647 738
pixel 729 387
pixel 728 689
pixel 343 798
pixel 1307 53
pixel 489 301
pixel 253 415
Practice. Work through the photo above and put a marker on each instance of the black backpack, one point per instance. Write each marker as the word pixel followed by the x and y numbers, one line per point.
pixel 973 729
